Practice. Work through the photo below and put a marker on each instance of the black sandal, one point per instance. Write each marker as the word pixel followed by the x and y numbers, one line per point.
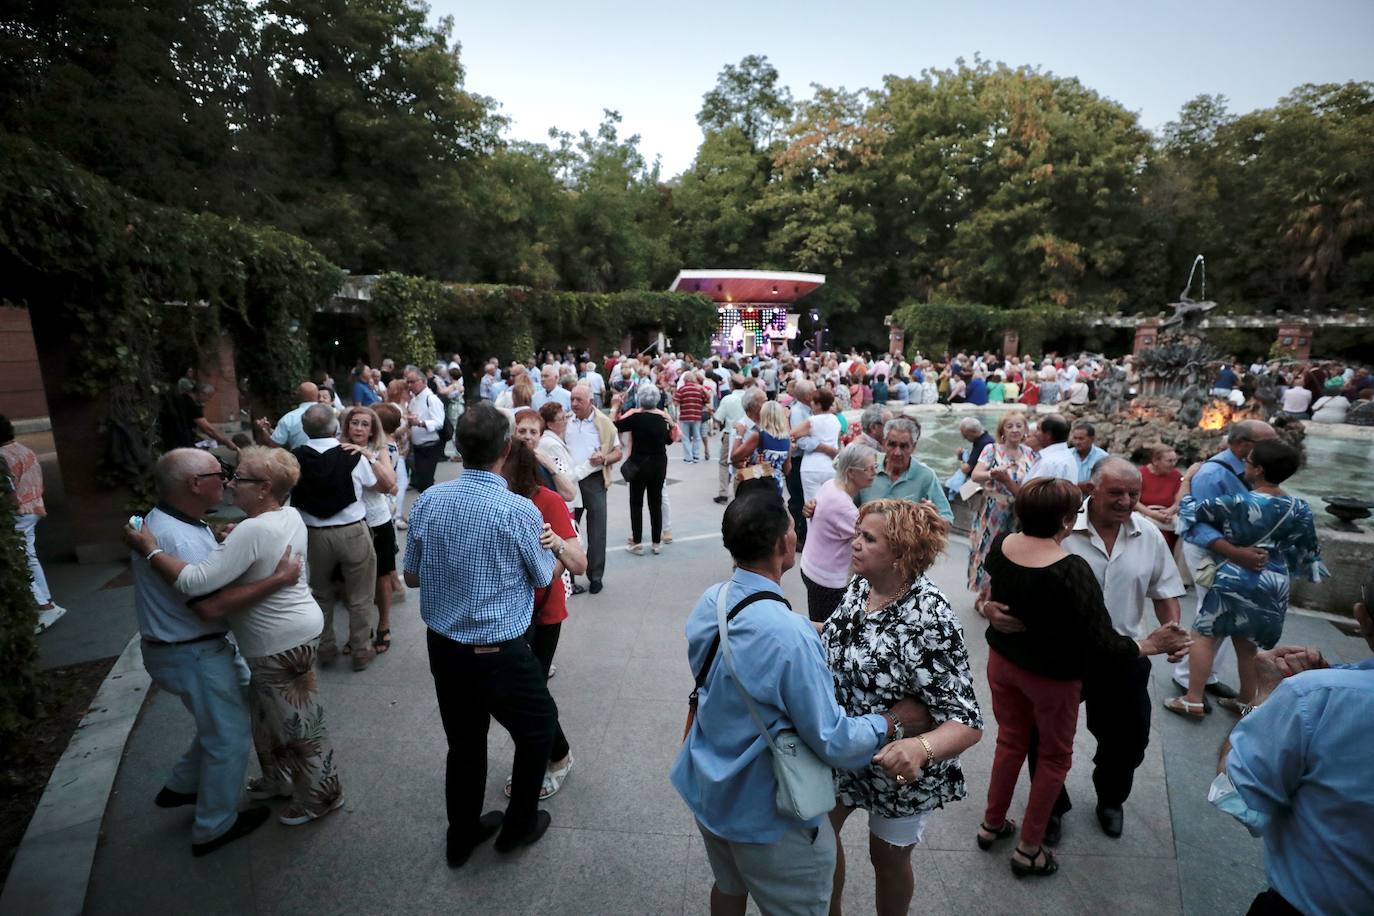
pixel 1008 829
pixel 382 643
pixel 1049 867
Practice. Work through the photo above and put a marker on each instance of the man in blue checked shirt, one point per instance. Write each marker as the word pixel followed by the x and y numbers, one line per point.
pixel 474 550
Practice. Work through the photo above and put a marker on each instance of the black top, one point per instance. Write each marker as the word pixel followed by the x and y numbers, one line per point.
pixel 651 434
pixel 1068 630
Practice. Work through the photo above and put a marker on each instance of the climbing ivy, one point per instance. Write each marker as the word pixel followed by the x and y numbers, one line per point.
pixel 415 317
pixel 133 279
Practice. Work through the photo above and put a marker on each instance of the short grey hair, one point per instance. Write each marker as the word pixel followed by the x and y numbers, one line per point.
pixel 319 422
pixel 175 468
pixel 909 425
pixel 1114 467
pixel 803 390
pixel 751 397
pixel 412 368
pixel 852 457
pixel 971 425
pixel 873 416
pixel 647 396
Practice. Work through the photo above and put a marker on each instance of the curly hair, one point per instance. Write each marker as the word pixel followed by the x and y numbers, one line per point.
pixel 916 532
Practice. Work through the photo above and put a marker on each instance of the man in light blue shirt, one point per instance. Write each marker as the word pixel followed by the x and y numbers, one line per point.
pixel 288 433
pixel 549 390
pixel 724 771
pixel 1297 772
pixel 1221 475
pixel 1083 441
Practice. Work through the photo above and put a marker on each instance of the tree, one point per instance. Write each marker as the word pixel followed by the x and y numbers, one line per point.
pixel 749 98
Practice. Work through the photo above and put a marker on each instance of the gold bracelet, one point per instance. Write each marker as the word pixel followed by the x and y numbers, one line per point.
pixel 930 754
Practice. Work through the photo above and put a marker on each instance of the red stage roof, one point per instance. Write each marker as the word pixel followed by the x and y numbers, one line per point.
pixel 756 286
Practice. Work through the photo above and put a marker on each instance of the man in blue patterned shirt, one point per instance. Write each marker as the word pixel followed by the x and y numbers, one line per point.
pixel 473 549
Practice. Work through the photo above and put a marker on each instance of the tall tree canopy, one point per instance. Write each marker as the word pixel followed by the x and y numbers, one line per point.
pixel 347 122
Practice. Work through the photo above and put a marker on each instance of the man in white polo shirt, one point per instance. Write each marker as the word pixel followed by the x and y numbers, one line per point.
pixel 1136 569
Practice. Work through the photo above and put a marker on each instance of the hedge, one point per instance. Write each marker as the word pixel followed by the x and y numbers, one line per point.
pixel 415 318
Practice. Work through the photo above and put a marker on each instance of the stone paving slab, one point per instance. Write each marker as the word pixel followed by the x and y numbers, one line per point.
pixel 621 841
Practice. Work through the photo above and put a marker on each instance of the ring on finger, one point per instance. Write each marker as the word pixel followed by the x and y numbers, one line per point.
pixel 900 778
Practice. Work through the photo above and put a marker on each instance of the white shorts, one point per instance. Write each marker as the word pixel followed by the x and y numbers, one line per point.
pixel 899 831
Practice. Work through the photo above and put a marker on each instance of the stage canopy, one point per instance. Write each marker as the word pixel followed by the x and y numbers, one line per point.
pixel 760 287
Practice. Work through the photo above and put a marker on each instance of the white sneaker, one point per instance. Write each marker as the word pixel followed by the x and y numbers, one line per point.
pixel 47 617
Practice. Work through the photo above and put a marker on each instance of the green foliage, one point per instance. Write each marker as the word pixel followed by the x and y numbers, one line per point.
pixel 747 98
pixel 937 327
pixel 511 322
pixel 133 275
pixel 18 646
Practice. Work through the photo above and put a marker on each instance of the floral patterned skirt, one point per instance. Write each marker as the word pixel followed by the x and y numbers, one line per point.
pixel 997 515
pixel 288 728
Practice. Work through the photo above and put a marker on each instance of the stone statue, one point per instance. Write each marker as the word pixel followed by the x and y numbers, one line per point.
pixel 1267 394
pixel 1111 391
pixel 1190 411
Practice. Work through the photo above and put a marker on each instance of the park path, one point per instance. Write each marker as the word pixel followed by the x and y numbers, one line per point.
pixel 622 841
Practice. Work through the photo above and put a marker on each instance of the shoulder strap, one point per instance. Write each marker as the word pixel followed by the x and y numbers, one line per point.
pixel 1215 460
pixel 1292 503
pixel 715 643
pixel 722 624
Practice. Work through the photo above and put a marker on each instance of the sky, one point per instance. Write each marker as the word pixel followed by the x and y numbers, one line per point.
pixel 560 64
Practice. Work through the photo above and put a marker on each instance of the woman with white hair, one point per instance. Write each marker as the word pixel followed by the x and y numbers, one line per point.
pixel 646 470
pixel 830 533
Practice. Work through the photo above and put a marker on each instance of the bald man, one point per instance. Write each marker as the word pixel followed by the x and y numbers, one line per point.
pixel 288 433
pixel 1221 475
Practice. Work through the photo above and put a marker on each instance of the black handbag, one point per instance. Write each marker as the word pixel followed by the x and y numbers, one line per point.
pixel 629 469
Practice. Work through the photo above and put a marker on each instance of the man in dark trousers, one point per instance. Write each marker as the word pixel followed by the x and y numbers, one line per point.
pixel 1132 562
pixel 476 553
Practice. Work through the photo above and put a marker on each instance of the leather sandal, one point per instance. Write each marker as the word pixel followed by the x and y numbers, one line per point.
pixel 1008 829
pixel 1182 707
pixel 1039 865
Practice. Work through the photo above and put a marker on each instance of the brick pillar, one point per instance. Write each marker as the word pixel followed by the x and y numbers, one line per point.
pixel 1011 343
pixel 896 340
pixel 90 516
pixel 1296 340
pixel 21 396
pixel 374 348
pixel 218 370
pixel 1146 335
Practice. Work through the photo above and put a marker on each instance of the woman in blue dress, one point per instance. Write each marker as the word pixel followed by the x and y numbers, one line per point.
pixel 768 445
pixel 1245 605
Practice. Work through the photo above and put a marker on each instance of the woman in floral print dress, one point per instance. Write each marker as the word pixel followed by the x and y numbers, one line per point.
pixel 893 636
pixel 1001 470
pixel 278 636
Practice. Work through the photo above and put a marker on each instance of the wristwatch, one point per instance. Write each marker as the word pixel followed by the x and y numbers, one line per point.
pixel 898 731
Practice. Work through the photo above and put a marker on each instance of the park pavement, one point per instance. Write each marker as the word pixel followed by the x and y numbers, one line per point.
pixel 621 840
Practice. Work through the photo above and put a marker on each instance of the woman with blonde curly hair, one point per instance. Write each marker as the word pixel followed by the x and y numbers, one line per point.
pixel 894 635
pixel 278 636
pixel 1000 470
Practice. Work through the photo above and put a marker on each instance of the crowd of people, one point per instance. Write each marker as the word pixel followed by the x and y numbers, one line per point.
pixel 1072 562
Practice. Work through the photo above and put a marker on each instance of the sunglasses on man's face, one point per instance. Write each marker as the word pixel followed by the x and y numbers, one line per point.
pixel 221 474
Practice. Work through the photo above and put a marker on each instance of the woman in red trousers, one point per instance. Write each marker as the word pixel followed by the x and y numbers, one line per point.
pixel 1036 674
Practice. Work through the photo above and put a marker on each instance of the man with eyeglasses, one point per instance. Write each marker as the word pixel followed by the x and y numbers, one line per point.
pixel 425 417
pixel 187 654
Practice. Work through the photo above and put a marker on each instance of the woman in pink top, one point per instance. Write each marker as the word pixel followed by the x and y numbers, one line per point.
pixel 830 533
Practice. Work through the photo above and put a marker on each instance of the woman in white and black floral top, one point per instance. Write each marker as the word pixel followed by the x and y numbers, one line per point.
pixel 894 635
